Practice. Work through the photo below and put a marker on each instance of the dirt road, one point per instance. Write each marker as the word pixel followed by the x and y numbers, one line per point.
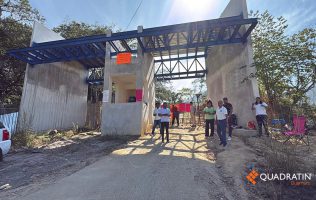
pixel 147 169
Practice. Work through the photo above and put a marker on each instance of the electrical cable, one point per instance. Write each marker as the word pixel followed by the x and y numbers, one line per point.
pixel 134 14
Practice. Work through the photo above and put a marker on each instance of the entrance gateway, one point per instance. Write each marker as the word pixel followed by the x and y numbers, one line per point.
pixel 59 71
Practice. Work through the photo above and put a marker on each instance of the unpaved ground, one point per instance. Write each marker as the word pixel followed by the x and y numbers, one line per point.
pixel 145 168
pixel 189 167
pixel 26 171
pixel 272 156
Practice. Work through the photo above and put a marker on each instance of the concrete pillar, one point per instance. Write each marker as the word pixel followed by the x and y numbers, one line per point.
pixel 228 65
pixel 148 84
pixel 55 94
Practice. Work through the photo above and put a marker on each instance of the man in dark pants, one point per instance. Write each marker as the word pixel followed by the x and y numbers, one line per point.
pixel 209 112
pixel 229 108
pixel 261 115
pixel 157 118
pixel 221 119
pixel 175 114
pixel 164 113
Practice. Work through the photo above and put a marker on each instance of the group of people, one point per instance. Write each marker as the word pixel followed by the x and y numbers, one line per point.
pixel 222 116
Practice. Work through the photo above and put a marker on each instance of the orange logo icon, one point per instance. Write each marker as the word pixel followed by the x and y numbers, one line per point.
pixel 252 176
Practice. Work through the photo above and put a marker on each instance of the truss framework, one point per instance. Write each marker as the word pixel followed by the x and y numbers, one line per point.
pixel 173 43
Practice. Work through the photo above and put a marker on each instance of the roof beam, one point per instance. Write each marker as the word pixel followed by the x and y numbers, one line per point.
pixel 217 23
pixel 194 45
pixel 236 30
pixel 113 46
pixel 251 27
pixel 140 43
pixel 125 45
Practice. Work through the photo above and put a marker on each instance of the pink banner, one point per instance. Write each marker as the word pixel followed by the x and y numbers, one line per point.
pixel 139 94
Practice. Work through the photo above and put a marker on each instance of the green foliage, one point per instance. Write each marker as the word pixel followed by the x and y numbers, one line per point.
pixel 16 17
pixel 199 86
pixel 15 32
pixel 186 94
pixel 166 92
pixel 19 11
pixel 75 29
pixel 163 91
pixel 285 63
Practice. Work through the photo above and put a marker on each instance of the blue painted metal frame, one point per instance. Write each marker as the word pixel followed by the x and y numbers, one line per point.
pixel 188 36
pixel 172 69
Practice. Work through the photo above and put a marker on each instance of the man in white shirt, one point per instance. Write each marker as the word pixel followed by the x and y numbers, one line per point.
pixel 221 120
pixel 157 117
pixel 261 115
pixel 164 113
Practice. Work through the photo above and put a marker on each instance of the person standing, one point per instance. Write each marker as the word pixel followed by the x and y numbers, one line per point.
pixel 164 121
pixel 209 112
pixel 229 108
pixel 156 117
pixel 175 114
pixel 221 119
pixel 192 114
pixel 261 115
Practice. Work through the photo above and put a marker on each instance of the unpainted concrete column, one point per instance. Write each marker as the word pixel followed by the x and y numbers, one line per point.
pixel 148 85
pixel 55 94
pixel 228 66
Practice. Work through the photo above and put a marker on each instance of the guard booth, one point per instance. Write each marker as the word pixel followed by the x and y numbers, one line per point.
pixel 59 71
pixel 132 79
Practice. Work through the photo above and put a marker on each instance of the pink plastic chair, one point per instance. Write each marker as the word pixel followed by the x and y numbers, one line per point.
pixel 299 130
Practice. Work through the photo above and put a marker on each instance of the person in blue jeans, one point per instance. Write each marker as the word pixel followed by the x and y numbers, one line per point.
pixel 164 113
pixel 156 117
pixel 221 120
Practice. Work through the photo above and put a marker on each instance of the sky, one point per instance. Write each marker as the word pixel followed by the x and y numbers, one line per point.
pixel 153 13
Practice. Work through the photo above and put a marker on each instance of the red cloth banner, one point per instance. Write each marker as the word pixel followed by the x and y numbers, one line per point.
pixel 184 107
pixel 139 94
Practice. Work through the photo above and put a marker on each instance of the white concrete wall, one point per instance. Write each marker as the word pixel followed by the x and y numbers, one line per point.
pixel 226 72
pixel 54 95
pixel 121 119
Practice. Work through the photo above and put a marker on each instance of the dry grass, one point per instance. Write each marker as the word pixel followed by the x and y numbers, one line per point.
pixel 30 139
pixel 284 158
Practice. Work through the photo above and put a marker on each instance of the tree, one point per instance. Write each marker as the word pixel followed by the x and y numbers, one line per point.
pixel 268 43
pixel 301 61
pixel 75 29
pixel 20 11
pixel 163 91
pixel 16 17
pixel 285 63
pixel 186 94
pixel 199 87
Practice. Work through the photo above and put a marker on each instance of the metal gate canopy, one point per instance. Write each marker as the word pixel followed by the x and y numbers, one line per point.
pixel 165 43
